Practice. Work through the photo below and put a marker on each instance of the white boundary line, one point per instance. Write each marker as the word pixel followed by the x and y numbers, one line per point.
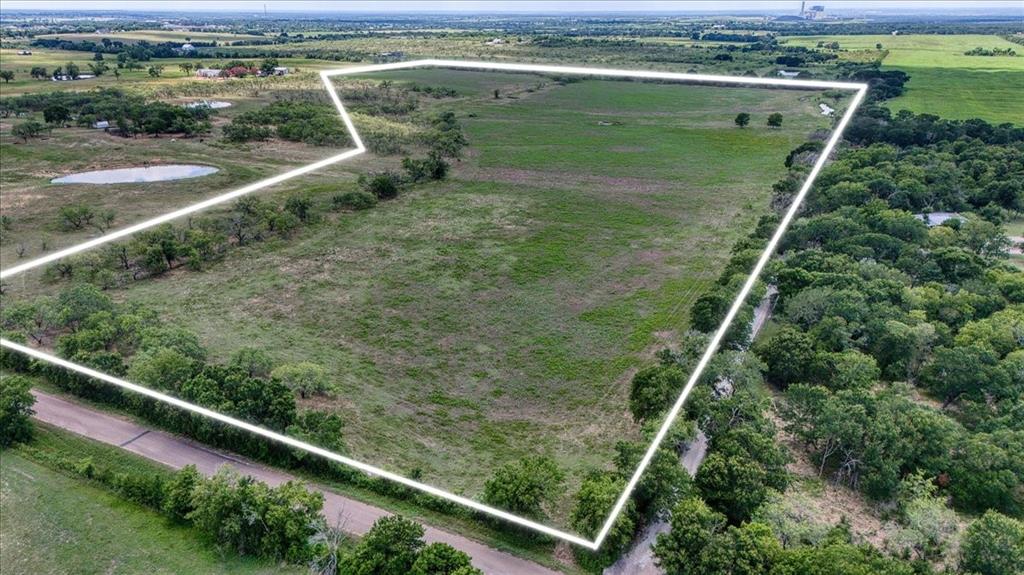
pixel 860 89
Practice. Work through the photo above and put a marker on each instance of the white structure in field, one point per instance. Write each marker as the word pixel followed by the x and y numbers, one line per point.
pixel 859 92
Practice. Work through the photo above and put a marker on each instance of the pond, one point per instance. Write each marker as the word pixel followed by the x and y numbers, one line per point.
pixel 211 104
pixel 137 175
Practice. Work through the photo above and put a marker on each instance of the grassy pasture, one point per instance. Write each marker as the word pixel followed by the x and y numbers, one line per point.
pixel 53 523
pixel 28 168
pixel 944 81
pixel 501 313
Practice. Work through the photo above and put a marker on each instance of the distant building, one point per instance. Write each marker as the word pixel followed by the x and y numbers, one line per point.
pixel 24 52
pixel 788 74
pixel 66 78
pixel 933 219
pixel 495 42
pixel 187 48
pixel 208 73
pixel 280 71
pixel 101 125
pixel 395 56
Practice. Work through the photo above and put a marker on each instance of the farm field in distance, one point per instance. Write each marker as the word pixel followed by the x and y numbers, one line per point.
pixel 502 312
pixel 943 80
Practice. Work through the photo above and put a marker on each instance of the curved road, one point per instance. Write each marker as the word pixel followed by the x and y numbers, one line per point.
pixel 177 452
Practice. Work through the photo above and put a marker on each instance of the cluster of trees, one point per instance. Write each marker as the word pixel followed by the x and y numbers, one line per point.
pixel 297 121
pixel 141 51
pixel 743 120
pixel 246 516
pixel 85 326
pixel 868 294
pixel 395 546
pixel 979 51
pixel 131 114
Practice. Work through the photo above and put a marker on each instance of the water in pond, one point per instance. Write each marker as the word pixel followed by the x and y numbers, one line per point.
pixel 212 104
pixel 137 175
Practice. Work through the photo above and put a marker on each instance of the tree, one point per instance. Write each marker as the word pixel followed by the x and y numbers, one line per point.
pixel 390 547
pixel 699 543
pixel 161 368
pixel 789 355
pixel 442 559
pixel 71 70
pixel 654 389
pixel 6 75
pixel 178 492
pixel 596 496
pixel 742 119
pixel 993 545
pixel 15 409
pixel 268 65
pixel 186 67
pixel 155 71
pixel 735 485
pixel 775 120
pixel 76 216
pixel 304 378
pixel 254 362
pixel 98 68
pixel 29 129
pixel 525 487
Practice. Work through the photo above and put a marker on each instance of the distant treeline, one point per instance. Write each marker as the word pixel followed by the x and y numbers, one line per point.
pixel 141 51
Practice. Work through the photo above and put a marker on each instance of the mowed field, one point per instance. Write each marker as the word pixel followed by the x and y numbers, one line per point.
pixel 501 313
pixel 57 524
pixel 943 80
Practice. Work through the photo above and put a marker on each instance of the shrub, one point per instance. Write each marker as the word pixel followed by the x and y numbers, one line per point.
pixel 383 185
pixel 15 409
pixel 355 201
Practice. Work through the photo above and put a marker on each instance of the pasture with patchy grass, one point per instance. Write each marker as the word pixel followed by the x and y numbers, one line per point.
pixel 502 312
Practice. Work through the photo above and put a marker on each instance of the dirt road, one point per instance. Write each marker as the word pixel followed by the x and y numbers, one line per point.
pixel 177 452
pixel 639 560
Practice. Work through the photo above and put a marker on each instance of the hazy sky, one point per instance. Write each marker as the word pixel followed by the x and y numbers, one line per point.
pixel 528 6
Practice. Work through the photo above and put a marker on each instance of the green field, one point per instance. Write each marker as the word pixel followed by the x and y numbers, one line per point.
pixel 501 313
pixel 53 523
pixel 943 80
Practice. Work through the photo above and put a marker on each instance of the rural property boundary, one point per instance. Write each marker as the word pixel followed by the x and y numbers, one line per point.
pixel 859 92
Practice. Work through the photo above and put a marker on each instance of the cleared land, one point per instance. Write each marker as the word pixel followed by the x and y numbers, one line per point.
pixel 53 523
pixel 501 313
pixel 943 80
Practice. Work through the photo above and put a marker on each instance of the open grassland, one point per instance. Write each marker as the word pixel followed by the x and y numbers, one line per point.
pixel 53 523
pixel 502 312
pixel 943 80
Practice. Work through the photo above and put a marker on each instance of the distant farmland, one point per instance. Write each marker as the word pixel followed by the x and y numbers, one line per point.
pixel 943 80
